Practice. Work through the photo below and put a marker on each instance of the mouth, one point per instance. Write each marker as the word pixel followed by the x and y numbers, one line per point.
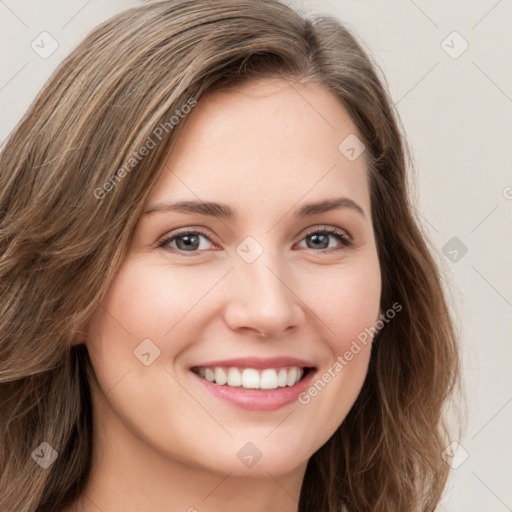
pixel 255 383
pixel 263 379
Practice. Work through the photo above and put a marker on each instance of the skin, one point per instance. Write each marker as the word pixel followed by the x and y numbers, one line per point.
pixel 162 443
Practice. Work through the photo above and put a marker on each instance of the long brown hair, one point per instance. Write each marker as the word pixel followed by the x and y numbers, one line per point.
pixel 67 213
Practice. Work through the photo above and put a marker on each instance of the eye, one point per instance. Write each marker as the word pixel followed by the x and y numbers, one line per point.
pixel 319 239
pixel 189 241
pixel 186 241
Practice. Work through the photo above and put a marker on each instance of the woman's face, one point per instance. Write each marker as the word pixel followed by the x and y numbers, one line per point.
pixel 198 287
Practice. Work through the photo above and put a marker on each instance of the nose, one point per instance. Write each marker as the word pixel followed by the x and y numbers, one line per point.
pixel 260 298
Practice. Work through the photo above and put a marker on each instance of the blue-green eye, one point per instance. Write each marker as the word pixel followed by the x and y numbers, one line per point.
pixel 190 241
pixel 320 239
pixel 186 241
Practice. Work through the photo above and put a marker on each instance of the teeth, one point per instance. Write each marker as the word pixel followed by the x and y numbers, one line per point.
pixel 234 377
pixel 220 376
pixel 268 379
pixel 282 378
pixel 251 378
pixel 292 377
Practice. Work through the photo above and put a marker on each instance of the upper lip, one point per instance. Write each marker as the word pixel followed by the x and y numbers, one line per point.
pixel 258 362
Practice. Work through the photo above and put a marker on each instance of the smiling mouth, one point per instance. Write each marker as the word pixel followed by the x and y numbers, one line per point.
pixel 251 378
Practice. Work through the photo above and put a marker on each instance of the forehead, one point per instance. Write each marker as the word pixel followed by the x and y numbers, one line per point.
pixel 264 142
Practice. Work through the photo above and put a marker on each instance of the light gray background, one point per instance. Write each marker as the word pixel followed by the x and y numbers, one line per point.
pixel 457 113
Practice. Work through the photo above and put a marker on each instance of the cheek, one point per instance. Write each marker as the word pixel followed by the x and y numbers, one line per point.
pixel 140 328
pixel 149 315
pixel 345 299
pixel 146 302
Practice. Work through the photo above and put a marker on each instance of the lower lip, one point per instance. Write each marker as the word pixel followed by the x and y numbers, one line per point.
pixel 258 400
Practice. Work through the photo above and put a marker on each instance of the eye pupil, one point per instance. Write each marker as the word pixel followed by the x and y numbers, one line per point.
pixel 320 238
pixel 190 241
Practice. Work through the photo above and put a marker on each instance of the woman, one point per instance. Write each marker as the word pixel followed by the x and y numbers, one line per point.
pixel 216 293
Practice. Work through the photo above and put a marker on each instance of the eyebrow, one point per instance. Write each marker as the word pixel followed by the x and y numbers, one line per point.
pixel 226 212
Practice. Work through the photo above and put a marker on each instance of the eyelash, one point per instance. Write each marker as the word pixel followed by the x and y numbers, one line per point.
pixel 340 235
